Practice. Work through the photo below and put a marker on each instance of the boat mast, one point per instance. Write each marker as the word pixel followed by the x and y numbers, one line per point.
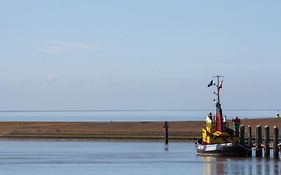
pixel 218 86
pixel 219 118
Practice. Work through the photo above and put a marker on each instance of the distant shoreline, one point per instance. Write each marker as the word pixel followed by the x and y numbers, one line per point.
pixel 146 130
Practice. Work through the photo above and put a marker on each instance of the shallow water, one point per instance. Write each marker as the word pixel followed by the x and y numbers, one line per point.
pixel 56 157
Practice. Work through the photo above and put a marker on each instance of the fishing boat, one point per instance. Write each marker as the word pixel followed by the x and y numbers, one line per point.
pixel 217 137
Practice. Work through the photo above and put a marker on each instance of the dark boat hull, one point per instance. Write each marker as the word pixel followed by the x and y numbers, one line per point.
pixel 224 149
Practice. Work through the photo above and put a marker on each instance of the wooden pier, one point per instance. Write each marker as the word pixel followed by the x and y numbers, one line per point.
pixel 262 145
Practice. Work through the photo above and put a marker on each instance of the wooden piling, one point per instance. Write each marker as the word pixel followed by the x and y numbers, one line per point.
pixel 266 142
pixel 250 141
pixel 275 142
pixel 242 135
pixel 258 141
pixel 166 132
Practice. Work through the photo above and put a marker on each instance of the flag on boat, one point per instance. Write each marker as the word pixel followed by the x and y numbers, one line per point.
pixel 211 83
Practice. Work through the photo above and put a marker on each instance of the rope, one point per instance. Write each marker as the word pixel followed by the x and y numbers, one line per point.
pixel 249 149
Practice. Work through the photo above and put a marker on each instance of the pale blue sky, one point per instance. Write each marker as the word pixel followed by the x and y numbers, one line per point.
pixel 152 54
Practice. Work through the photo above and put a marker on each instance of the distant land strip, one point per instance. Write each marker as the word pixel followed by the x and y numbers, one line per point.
pixel 145 130
pixel 128 110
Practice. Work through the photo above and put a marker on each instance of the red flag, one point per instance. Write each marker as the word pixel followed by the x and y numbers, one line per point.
pixel 220 86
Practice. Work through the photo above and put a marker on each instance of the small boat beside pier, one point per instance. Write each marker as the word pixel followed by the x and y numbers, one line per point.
pixel 217 137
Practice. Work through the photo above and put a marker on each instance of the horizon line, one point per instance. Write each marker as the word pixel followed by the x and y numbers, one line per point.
pixel 129 110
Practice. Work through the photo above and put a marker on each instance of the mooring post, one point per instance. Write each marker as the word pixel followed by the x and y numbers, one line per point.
pixel 166 132
pixel 258 141
pixel 242 135
pixel 250 141
pixel 275 143
pixel 266 142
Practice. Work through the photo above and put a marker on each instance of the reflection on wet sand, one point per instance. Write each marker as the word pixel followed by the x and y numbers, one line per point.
pixel 243 166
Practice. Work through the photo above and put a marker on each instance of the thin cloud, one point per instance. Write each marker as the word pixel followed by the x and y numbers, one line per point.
pixel 53 50
pixel 74 45
pixel 56 46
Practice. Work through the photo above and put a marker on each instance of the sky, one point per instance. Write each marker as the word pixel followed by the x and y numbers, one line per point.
pixel 148 54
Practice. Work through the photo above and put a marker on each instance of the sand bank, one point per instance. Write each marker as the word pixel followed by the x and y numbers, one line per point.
pixel 178 130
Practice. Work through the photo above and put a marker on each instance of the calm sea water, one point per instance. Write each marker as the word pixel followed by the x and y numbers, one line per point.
pixel 126 115
pixel 58 157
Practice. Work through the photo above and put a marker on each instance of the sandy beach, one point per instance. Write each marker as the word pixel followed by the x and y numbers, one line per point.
pixel 178 130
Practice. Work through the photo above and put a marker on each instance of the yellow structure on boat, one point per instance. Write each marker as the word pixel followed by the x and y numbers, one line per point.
pixel 211 136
